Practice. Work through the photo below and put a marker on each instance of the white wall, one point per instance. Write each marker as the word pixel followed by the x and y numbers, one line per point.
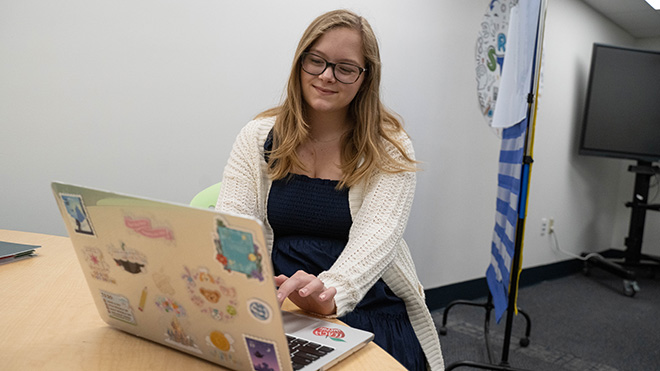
pixel 580 193
pixel 584 195
pixel 145 97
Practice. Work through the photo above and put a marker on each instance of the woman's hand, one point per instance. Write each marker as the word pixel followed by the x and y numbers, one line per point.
pixel 307 292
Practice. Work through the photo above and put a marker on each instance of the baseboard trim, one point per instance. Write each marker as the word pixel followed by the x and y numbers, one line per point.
pixel 440 297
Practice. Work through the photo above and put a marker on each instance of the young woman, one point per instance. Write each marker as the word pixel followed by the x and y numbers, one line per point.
pixel 331 173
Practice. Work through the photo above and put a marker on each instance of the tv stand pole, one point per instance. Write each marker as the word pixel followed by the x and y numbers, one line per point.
pixel 632 256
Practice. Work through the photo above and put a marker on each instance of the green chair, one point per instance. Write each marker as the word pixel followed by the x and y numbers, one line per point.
pixel 207 198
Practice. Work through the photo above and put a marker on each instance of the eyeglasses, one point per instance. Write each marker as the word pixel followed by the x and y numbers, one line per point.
pixel 346 73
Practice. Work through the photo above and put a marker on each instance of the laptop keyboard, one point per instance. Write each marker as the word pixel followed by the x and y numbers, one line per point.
pixel 304 352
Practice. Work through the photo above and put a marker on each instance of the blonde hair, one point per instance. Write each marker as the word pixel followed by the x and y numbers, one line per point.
pixel 363 151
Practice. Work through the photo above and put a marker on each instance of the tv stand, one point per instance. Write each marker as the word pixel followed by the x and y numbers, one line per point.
pixel 616 261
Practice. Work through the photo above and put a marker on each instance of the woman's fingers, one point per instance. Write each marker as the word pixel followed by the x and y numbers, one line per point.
pixel 312 285
pixel 301 282
pixel 328 294
pixel 307 292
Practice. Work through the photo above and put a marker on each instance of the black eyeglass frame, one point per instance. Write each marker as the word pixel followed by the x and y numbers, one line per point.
pixel 333 65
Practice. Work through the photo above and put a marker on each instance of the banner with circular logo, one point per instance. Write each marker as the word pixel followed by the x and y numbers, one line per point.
pixel 489 54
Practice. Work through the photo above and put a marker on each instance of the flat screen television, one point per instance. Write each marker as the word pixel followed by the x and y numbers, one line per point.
pixel 622 111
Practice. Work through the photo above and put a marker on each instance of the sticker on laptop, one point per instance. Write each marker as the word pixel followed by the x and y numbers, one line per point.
pixel 145 227
pixel 177 335
pixel 222 348
pixel 163 283
pixel 259 310
pixel 143 299
pixel 210 294
pixel 118 307
pixel 263 354
pixel 335 334
pixel 236 251
pixel 131 260
pixel 169 305
pixel 99 269
pixel 221 341
pixel 79 218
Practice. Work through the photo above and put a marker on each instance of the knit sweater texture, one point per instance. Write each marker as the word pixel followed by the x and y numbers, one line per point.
pixel 380 207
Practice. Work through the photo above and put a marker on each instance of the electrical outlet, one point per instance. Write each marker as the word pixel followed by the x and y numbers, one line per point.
pixel 544 226
pixel 547 225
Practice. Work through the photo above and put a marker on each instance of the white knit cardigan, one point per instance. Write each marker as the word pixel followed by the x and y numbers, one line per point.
pixel 379 208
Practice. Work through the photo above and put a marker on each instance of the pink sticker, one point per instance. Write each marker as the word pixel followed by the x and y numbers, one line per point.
pixel 143 226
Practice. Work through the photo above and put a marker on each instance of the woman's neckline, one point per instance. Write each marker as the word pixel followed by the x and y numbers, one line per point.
pixel 334 181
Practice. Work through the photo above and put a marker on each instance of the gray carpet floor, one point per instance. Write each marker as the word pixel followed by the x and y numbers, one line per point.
pixel 578 322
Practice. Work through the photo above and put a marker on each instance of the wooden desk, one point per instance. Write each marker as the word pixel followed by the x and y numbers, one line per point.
pixel 48 321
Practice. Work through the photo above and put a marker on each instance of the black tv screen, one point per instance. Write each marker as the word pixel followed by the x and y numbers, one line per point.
pixel 622 111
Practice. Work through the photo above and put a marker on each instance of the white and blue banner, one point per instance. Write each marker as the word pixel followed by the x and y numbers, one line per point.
pixel 509 194
pixel 511 115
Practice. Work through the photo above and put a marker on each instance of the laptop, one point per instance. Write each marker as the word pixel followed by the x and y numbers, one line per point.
pixel 195 280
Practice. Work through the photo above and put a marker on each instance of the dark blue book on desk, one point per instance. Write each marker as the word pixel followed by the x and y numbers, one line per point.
pixel 11 252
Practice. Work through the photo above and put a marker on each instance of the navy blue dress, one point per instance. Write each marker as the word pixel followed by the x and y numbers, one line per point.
pixel 311 221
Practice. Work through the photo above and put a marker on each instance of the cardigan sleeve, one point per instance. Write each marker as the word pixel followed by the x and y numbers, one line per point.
pixel 240 180
pixel 377 230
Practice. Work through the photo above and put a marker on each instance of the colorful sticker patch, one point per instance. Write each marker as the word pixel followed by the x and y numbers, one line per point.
pixel 143 226
pixel 99 268
pixel 169 305
pixel 259 310
pixel 221 341
pixel 222 347
pixel 210 294
pixel 176 335
pixel 335 334
pixel 118 307
pixel 237 252
pixel 79 217
pixel 131 260
pixel 263 354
